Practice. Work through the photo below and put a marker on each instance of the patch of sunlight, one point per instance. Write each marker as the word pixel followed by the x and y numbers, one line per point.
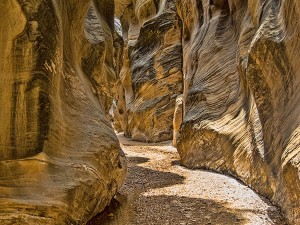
pixel 222 189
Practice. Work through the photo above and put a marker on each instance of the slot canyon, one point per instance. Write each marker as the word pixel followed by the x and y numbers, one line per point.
pixel 163 112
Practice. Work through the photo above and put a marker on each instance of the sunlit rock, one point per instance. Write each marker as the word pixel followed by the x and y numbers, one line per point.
pixel 177 119
pixel 241 94
pixel 151 74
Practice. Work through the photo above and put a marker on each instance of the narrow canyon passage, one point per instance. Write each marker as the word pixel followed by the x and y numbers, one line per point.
pixel 218 79
pixel 158 191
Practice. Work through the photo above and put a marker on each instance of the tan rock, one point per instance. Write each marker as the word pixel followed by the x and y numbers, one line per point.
pixel 120 119
pixel 151 74
pixel 60 161
pixel 241 94
pixel 177 119
pixel 96 52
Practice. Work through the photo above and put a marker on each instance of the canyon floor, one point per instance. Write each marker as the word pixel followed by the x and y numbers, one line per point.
pixel 158 191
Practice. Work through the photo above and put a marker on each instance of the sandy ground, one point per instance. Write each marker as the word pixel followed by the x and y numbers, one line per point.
pixel 159 191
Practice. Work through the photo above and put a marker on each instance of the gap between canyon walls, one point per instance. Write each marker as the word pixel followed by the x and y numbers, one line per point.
pixel 151 76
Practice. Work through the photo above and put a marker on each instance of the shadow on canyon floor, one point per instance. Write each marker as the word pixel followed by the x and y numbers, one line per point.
pixel 150 196
pixel 162 209
pixel 174 210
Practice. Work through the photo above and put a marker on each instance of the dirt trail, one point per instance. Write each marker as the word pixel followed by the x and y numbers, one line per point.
pixel 159 191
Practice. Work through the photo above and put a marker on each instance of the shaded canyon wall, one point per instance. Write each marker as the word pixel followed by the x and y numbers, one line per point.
pixel 60 161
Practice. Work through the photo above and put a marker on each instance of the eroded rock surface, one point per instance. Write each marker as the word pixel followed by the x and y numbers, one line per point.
pixel 60 161
pixel 97 58
pixel 241 94
pixel 151 76
pixel 177 119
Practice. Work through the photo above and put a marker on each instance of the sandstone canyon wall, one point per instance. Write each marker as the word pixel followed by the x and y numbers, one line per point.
pixel 60 161
pixel 151 76
pixel 241 94
pixel 237 63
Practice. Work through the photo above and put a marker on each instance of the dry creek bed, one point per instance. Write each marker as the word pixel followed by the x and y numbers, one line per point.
pixel 158 191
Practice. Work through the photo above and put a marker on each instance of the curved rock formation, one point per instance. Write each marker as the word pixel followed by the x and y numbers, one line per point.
pixel 97 58
pixel 241 94
pixel 177 119
pixel 60 160
pixel 151 74
pixel 236 63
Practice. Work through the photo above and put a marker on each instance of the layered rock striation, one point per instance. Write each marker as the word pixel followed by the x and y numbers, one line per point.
pixel 60 161
pixel 234 62
pixel 241 94
pixel 151 76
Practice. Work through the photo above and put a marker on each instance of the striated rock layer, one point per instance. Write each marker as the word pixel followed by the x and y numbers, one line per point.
pixel 97 58
pixel 241 94
pixel 60 160
pixel 151 76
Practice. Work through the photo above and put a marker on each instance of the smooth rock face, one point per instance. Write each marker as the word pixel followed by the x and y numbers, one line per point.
pixel 119 107
pixel 177 119
pixel 97 59
pixel 60 160
pixel 241 94
pixel 151 75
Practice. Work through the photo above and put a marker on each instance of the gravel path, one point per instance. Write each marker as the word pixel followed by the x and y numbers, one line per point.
pixel 159 191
